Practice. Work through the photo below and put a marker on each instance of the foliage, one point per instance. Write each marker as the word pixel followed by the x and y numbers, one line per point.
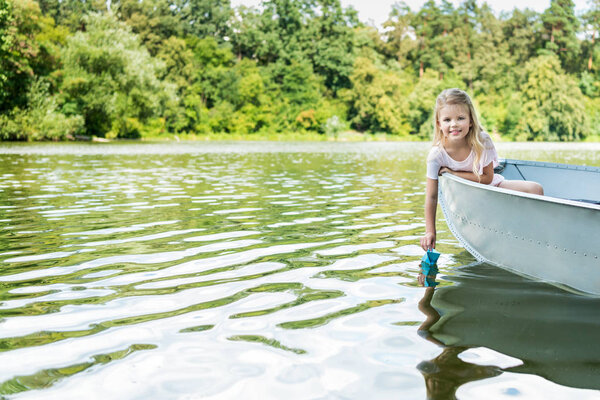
pixel 152 20
pixel 41 121
pixel 560 26
pixel 378 98
pixel 109 77
pixel 203 18
pixel 148 68
pixel 552 106
pixel 19 22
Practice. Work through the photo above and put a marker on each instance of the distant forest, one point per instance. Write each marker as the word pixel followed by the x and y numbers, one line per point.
pixel 158 68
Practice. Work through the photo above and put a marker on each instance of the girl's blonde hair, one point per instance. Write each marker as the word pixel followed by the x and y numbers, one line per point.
pixel 450 97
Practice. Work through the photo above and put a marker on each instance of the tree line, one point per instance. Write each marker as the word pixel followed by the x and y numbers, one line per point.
pixel 152 68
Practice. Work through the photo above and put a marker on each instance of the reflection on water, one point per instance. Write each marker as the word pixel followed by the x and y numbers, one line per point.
pixel 538 328
pixel 552 332
pixel 445 373
pixel 263 271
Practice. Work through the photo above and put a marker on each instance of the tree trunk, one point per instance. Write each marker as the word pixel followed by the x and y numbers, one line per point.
pixel 470 75
pixel 592 51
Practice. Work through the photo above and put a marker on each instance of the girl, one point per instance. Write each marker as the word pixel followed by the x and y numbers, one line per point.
pixel 461 147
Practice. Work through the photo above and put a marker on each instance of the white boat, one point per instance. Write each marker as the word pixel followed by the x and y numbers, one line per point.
pixel 554 238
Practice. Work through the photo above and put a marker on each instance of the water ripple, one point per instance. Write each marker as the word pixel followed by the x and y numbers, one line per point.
pixel 220 271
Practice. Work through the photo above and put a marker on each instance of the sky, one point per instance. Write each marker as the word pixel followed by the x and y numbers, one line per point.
pixel 375 12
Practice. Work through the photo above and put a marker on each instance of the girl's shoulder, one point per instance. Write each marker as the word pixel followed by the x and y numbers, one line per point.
pixel 486 139
pixel 435 153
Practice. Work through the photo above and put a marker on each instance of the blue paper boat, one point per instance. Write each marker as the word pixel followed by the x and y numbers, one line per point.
pixel 431 257
pixel 429 267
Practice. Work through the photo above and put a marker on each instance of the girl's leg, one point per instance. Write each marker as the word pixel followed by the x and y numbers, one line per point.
pixel 523 186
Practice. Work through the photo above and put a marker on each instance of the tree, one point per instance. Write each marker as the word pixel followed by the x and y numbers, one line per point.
pixel 560 33
pixel 203 18
pixel 71 12
pixel 110 79
pixel 153 20
pixel 520 32
pixel 432 28
pixel 426 25
pixel 333 56
pixel 551 103
pixel 491 64
pixel 6 43
pixel 23 52
pixel 591 22
pixel 178 59
pixel 378 98
pixel 319 32
pixel 466 39
pixel 399 34
pixel 422 100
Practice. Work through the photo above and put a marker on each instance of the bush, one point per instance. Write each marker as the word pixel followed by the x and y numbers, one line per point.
pixel 42 120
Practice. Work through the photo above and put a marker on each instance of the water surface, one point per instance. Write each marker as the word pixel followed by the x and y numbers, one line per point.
pixel 265 270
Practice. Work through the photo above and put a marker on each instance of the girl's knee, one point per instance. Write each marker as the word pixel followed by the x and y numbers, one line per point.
pixel 536 188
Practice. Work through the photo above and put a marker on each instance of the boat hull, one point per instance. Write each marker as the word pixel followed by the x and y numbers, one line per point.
pixel 547 238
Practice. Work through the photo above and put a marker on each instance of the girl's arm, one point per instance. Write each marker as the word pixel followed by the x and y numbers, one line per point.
pixel 431 199
pixel 486 177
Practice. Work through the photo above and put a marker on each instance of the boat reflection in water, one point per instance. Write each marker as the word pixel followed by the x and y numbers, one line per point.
pixel 553 332
pixel 447 372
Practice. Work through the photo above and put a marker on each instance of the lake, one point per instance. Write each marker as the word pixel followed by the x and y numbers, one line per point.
pixel 265 271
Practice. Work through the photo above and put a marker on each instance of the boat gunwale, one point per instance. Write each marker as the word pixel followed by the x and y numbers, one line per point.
pixel 546 164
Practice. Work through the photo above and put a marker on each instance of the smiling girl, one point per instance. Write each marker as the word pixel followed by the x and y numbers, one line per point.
pixel 461 147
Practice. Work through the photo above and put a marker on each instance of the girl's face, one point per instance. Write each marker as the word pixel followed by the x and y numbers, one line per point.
pixel 454 121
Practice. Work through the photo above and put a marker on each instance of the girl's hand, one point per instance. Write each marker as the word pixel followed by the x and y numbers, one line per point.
pixel 444 169
pixel 428 241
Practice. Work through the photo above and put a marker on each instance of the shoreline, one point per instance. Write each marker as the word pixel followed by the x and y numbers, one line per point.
pixel 347 136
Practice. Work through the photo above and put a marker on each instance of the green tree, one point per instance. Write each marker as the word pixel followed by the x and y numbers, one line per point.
pixel 491 64
pixel 591 22
pixel 466 40
pixel 28 47
pixel 422 100
pixel 203 18
pixel 560 33
pixel 520 32
pixel 428 26
pixel 71 12
pixel 41 120
pixel 398 34
pixel 552 106
pixel 297 31
pixel 178 59
pixel 6 44
pixel 155 21
pixel 110 79
pixel 333 32
pixel 378 98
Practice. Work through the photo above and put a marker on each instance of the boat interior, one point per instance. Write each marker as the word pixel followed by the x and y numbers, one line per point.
pixel 571 182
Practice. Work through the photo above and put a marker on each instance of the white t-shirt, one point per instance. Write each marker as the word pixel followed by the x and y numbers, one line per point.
pixel 438 158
